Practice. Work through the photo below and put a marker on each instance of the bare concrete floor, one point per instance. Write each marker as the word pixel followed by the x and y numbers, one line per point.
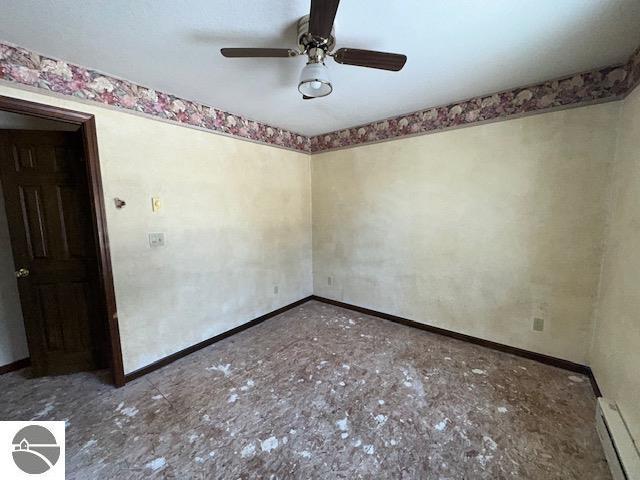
pixel 322 392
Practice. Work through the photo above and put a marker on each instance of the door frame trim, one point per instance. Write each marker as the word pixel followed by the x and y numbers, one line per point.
pixel 87 124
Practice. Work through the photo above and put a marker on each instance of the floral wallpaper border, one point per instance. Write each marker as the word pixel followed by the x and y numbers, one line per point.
pixel 608 83
pixel 22 66
pixel 25 67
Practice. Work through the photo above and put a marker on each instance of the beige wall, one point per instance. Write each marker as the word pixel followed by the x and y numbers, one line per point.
pixel 237 221
pixel 476 230
pixel 615 356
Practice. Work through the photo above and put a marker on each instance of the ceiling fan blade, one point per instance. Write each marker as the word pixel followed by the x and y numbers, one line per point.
pixel 323 13
pixel 370 58
pixel 258 52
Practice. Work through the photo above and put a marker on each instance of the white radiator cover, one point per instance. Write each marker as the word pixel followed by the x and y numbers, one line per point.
pixel 619 447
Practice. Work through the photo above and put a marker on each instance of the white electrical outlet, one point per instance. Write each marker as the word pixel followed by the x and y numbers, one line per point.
pixel 541 298
pixel 329 281
pixel 538 324
pixel 275 290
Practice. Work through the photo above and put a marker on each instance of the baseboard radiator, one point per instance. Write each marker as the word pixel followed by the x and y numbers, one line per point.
pixel 619 447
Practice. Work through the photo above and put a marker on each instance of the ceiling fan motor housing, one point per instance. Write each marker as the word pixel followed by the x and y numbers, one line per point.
pixel 305 40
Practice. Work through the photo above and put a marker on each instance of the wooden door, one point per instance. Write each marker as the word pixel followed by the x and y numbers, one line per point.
pixel 47 204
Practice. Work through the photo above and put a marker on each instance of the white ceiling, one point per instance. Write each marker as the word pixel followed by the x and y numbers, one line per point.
pixel 456 49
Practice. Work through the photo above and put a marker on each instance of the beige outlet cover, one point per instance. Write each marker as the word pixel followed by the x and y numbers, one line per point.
pixel 155 204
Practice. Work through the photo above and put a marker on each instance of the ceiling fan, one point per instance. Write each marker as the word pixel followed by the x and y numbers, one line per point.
pixel 316 39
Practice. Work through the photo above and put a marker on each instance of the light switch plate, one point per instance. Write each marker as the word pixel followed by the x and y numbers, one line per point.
pixel 156 239
pixel 155 204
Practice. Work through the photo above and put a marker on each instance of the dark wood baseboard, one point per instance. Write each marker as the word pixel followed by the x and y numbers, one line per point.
pixel 594 382
pixel 194 348
pixel 17 365
pixel 539 357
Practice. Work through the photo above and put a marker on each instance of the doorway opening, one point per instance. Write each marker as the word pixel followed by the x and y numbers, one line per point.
pixel 52 191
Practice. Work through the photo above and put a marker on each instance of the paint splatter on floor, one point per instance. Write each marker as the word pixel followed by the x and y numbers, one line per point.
pixel 440 426
pixel 224 369
pixel 302 396
pixel 248 451
pixel 269 444
pixel 156 464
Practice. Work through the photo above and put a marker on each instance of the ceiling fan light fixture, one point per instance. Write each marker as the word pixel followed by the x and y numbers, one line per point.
pixel 314 80
pixel 316 38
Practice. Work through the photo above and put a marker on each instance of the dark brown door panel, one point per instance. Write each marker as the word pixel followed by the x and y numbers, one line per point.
pixel 49 216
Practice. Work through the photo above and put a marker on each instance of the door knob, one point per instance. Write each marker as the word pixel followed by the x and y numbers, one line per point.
pixel 23 272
